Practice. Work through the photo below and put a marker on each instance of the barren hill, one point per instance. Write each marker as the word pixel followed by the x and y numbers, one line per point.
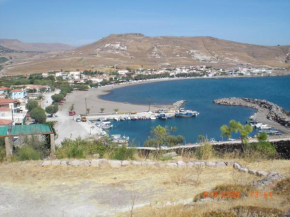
pixel 137 50
pixel 14 44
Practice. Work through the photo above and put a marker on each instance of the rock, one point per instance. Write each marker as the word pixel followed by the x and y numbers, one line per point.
pixel 63 163
pixel 95 163
pixel 253 172
pixel 149 164
pixel 198 164
pixel 181 163
pixel 236 166
pixel 125 163
pixel 172 164
pixel 159 165
pixel 220 164
pixel 244 170
pixel 261 173
pixel 270 177
pixel 136 163
pixel 85 163
pixel 46 163
pixel 55 162
pixel 210 164
pixel 74 163
pixel 229 163
pixel 103 162
pixel 96 155
pixel 115 163
pixel 170 154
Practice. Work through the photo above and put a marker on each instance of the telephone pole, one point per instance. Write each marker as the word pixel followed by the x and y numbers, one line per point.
pixel 86 105
pixel 149 102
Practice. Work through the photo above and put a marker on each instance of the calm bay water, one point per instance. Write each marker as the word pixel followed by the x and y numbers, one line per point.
pixel 200 94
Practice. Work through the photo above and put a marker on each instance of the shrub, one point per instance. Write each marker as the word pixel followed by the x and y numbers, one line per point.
pixel 204 152
pixel 80 148
pixel 2 153
pixel 122 153
pixel 28 153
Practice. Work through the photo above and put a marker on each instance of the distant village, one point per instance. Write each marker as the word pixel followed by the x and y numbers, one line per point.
pixel 13 98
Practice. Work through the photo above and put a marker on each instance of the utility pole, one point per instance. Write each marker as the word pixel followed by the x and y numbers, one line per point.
pixel 86 105
pixel 149 102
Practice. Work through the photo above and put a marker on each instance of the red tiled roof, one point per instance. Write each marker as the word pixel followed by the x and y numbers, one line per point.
pixel 7 101
pixel 16 90
pixel 5 122
pixel 4 109
pixel 3 88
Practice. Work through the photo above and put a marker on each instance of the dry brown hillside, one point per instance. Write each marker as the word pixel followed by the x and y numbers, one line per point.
pixel 17 45
pixel 137 50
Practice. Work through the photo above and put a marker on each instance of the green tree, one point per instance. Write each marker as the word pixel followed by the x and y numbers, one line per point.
pixel 264 147
pixel 31 105
pixel 72 107
pixel 57 97
pixel 235 126
pixel 116 110
pixel 52 109
pixel 102 110
pixel 38 114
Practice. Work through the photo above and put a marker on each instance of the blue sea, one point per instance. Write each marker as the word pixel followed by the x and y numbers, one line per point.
pixel 200 94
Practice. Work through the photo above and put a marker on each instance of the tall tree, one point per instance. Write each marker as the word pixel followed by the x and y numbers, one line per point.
pixel 235 126
pixel 31 105
pixel 38 114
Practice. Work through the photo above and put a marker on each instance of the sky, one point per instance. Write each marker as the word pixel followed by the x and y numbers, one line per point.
pixel 79 22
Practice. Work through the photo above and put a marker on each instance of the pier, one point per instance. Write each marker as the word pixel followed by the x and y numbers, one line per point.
pixel 267 112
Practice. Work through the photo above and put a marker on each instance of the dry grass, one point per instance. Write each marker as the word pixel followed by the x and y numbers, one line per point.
pixel 166 184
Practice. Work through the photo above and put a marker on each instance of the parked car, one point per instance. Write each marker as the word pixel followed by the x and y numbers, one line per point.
pixel 78 120
pixel 84 119
pixel 71 113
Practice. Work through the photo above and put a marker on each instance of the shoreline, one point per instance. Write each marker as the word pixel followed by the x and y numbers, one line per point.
pixel 107 90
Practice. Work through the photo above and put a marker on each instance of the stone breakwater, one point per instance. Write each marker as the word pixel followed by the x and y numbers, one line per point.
pixel 267 112
pixel 102 163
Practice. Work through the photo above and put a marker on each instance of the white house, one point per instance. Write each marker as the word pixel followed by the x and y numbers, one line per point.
pixel 58 74
pixel 123 72
pixel 17 94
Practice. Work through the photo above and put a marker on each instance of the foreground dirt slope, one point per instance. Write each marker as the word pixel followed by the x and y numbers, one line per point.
pixel 27 189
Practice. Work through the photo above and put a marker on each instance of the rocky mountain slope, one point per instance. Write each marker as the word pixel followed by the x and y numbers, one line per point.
pixel 16 45
pixel 137 50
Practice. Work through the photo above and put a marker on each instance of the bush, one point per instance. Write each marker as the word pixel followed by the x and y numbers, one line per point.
pixel 266 149
pixel 123 153
pixel 204 152
pixel 2 153
pixel 80 148
pixel 28 153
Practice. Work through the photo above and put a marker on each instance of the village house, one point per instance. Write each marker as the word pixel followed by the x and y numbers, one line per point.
pixel 58 74
pixel 123 72
pixel 45 74
pixel 17 94
pixel 4 90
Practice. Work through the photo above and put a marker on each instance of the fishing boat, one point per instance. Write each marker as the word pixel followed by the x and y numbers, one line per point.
pixel 162 116
pixel 186 113
pixel 152 117
pixel 117 138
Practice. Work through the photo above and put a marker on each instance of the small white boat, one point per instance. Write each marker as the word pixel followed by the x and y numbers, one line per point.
pixel 153 117
pixel 264 127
